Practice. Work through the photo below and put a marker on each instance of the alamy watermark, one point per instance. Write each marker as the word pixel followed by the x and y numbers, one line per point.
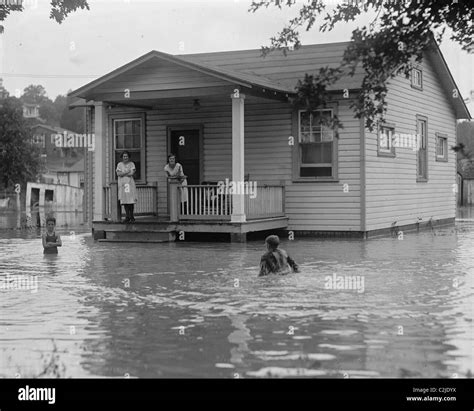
pixel 237 187
pixel 37 394
pixel 19 282
pixel 74 140
pixel 345 282
pixel 401 140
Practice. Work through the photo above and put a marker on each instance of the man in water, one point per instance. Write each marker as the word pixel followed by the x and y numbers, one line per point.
pixel 276 260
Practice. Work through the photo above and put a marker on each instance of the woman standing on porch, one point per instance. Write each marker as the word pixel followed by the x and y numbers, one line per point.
pixel 127 192
pixel 174 170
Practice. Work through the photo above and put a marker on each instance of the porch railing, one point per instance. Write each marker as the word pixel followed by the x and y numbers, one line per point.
pixel 147 196
pixel 208 203
pixel 269 202
pixel 205 203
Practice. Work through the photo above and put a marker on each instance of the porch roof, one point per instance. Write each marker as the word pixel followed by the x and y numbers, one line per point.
pixel 225 76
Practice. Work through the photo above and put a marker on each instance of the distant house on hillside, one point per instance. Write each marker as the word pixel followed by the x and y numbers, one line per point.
pixel 31 110
pixel 62 165
pixel 232 109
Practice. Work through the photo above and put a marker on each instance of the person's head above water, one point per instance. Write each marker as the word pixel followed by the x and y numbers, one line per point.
pixel 50 223
pixel 272 242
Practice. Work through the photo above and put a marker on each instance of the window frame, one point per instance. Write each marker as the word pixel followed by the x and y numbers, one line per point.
pixel 391 153
pixel 412 78
pixel 444 157
pixel 296 153
pixel 422 178
pixel 39 139
pixel 113 117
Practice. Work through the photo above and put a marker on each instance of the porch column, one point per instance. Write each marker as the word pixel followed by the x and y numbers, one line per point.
pixel 238 210
pixel 100 132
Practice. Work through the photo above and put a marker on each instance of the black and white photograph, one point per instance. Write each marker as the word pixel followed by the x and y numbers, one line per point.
pixel 237 190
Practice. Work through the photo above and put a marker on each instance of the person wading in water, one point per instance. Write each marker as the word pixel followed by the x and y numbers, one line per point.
pixel 276 260
pixel 51 240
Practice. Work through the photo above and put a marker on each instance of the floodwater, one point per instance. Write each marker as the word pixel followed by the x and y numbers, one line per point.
pixel 199 310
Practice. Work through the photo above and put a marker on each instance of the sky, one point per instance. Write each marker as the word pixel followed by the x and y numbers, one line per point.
pixel 36 50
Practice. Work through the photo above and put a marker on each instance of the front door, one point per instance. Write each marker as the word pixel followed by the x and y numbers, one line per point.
pixel 185 144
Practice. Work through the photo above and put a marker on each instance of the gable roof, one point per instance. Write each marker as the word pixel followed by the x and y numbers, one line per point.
pixel 447 82
pixel 285 70
pixel 55 130
pixel 274 72
pixel 247 68
pixel 242 79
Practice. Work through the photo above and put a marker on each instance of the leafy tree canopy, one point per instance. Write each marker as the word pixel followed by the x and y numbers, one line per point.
pixel 401 31
pixel 34 94
pixel 20 160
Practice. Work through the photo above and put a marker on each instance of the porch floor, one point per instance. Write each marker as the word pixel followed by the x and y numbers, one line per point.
pixel 160 229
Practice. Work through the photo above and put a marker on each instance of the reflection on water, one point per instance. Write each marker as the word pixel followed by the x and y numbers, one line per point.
pixel 465 213
pixel 10 219
pixel 199 309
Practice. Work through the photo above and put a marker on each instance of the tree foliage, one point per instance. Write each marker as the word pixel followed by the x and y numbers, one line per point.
pixel 388 46
pixel 20 160
pixel 465 140
pixel 73 119
pixel 60 9
pixel 34 94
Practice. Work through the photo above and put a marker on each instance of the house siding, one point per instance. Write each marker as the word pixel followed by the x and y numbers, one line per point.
pixel 393 196
pixel 324 206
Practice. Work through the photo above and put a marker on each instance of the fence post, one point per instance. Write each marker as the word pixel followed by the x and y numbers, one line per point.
pixel 18 210
pixel 115 207
pixel 155 197
pixel 174 199
pixel 283 195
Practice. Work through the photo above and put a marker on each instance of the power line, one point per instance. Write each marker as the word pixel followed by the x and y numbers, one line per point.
pixel 50 75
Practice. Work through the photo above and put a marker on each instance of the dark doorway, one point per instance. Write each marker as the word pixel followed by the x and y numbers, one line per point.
pixel 34 199
pixel 34 204
pixel 48 196
pixel 185 144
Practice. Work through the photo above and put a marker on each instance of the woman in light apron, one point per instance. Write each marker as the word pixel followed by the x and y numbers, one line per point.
pixel 127 192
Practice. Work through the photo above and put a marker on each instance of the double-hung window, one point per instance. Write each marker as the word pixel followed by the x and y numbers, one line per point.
pixel 385 138
pixel 441 147
pixel 316 156
pixel 417 78
pixel 128 135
